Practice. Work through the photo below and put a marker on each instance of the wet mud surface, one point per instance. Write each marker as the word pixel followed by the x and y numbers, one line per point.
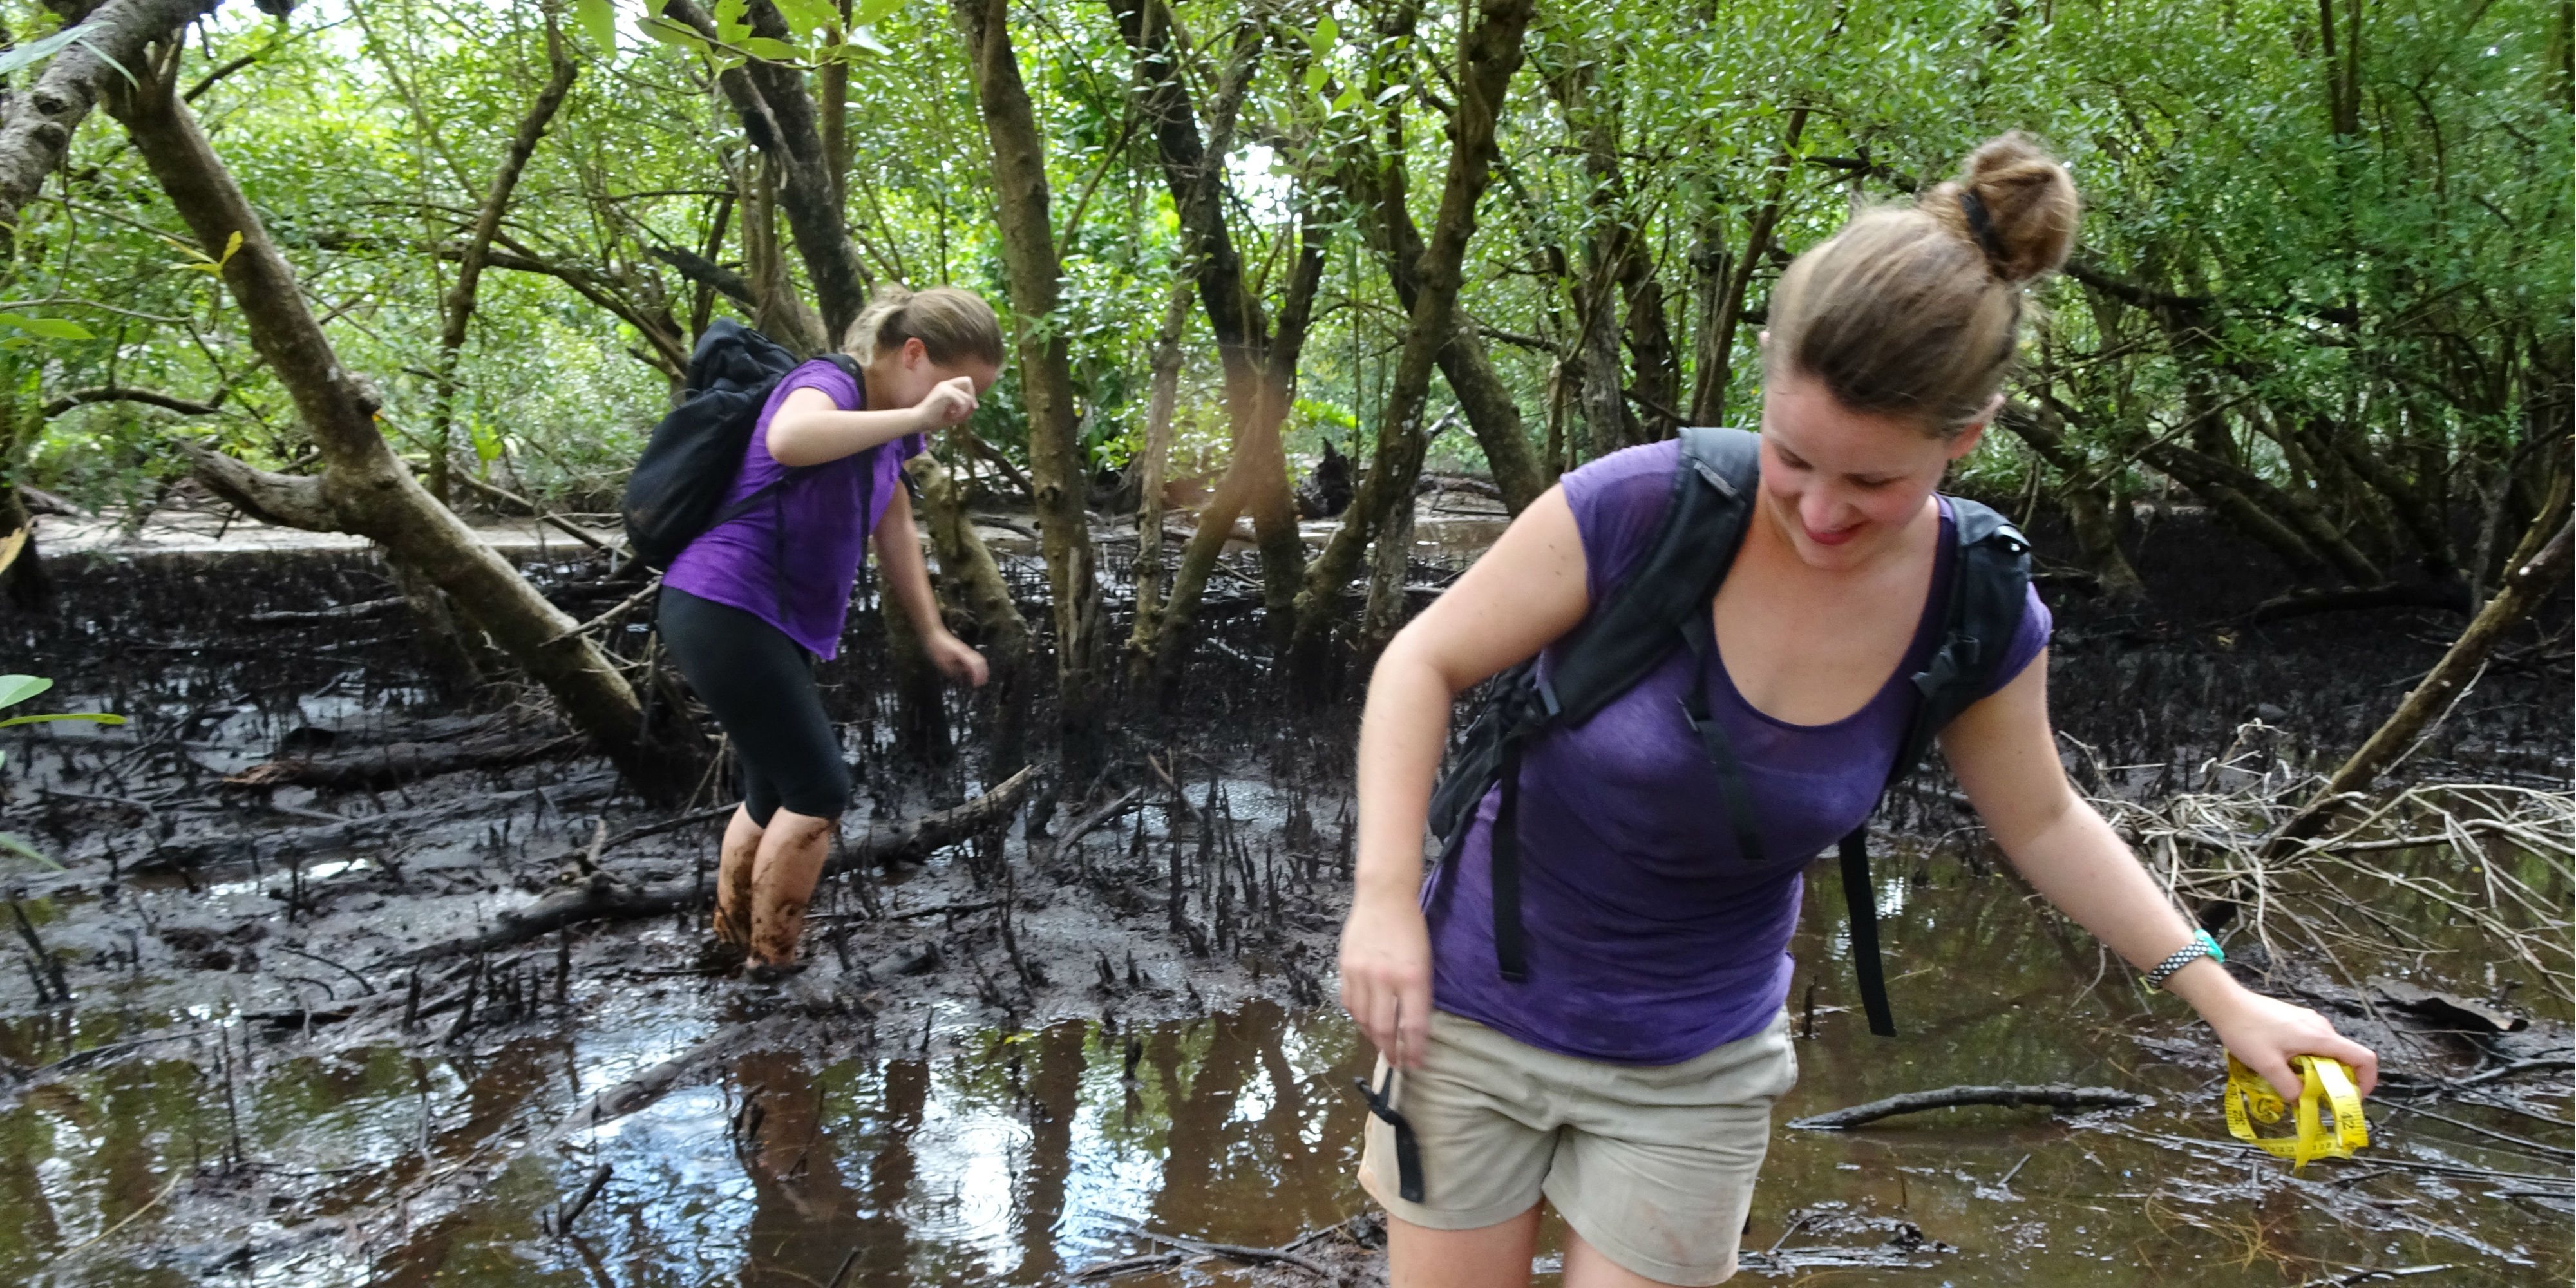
pixel 234 1050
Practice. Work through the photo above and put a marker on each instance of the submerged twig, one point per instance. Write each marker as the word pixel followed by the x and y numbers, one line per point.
pixel 2055 1096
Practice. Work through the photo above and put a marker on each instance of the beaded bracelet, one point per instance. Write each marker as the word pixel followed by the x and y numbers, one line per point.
pixel 2201 945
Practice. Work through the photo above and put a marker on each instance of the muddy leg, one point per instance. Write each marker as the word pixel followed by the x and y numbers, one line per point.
pixel 734 867
pixel 792 852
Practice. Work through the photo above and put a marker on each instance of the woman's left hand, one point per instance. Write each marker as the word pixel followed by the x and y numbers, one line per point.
pixel 955 658
pixel 2265 1032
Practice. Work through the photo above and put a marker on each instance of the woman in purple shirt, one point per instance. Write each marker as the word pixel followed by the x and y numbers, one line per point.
pixel 754 601
pixel 1629 1080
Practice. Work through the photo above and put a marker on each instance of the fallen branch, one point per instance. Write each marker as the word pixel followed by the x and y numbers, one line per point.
pixel 1238 1252
pixel 543 515
pixel 335 613
pixel 1087 823
pixel 651 588
pixel 606 898
pixel 398 762
pixel 2365 1276
pixel 2450 596
pixel 2054 1095
pixel 2538 570
pixel 1151 1263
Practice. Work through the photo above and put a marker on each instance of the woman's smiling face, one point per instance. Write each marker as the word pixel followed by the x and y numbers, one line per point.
pixel 1841 485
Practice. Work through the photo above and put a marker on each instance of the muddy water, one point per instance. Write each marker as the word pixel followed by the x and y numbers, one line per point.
pixel 244 1147
pixel 1017 1156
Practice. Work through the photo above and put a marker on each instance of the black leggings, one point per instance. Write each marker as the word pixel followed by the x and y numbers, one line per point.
pixel 760 684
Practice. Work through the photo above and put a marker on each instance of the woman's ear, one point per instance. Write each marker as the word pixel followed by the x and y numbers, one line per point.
pixel 915 353
pixel 1966 440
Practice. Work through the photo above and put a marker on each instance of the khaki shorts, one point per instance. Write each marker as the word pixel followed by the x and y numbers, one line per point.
pixel 1653 1165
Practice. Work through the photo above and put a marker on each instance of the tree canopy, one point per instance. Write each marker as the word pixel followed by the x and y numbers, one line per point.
pixel 2322 285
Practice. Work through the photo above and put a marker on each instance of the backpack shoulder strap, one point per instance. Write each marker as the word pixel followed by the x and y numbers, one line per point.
pixel 1633 630
pixel 1989 590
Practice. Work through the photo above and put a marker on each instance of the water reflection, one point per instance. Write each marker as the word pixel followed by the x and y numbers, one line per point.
pixel 1030 1154
pixel 1019 1157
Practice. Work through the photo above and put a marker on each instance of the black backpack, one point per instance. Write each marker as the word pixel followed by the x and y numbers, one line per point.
pixel 678 488
pixel 1663 604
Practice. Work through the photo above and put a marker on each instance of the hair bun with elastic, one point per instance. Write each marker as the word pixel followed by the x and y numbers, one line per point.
pixel 2016 202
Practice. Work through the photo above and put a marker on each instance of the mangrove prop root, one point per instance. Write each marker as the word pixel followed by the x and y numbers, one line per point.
pixel 2054 1095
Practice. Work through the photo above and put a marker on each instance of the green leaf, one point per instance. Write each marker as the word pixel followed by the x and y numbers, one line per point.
pixel 15 689
pixel 20 845
pixel 867 40
pixel 732 24
pixel 776 51
pixel 805 17
pixel 599 19
pixel 36 51
pixel 50 329
pixel 1315 77
pixel 1350 94
pixel 871 12
pixel 94 717
pixel 1325 34
pixel 671 33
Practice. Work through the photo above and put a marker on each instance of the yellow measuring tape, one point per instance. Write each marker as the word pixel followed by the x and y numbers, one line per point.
pixel 2320 1078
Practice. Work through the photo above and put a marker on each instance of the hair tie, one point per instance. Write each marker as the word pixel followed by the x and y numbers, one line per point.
pixel 1982 226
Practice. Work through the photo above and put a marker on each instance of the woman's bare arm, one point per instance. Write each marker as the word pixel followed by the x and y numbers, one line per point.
pixel 2005 755
pixel 907 582
pixel 1526 591
pixel 810 428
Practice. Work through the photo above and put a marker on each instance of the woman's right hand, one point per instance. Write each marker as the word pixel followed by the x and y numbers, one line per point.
pixel 1386 974
pixel 948 403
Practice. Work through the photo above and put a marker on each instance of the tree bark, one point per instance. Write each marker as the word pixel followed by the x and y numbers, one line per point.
pixel 1058 477
pixel 36 127
pixel 1487 56
pixel 1163 394
pixel 1492 413
pixel 779 116
pixel 974 582
pixel 1656 380
pixel 920 694
pixel 457 308
pixel 1390 561
pixel 363 487
pixel 1708 391
pixel 776 311
pixel 2088 505
pixel 1259 368
pixel 1606 245
pixel 2537 571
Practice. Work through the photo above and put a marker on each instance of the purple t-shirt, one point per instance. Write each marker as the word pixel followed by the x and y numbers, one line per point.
pixel 1650 941
pixel 825 537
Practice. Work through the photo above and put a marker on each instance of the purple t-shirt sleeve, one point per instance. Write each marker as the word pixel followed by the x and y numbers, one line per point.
pixel 1619 503
pixel 826 376
pixel 2027 641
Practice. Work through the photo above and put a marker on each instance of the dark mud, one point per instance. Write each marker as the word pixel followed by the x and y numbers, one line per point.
pixel 1022 1058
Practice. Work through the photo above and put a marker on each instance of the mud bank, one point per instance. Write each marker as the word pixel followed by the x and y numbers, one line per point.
pixel 246 1041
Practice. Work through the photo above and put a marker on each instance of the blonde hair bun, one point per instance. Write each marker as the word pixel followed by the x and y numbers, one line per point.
pixel 1916 311
pixel 2022 197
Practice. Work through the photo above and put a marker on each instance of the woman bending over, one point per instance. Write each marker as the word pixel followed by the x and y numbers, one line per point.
pixel 755 601
pixel 1629 1078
